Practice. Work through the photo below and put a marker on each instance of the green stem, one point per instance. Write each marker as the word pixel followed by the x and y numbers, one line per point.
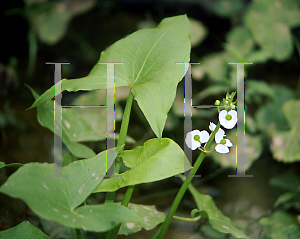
pixel 184 187
pixel 32 53
pixel 110 196
pixel 76 233
pixel 115 231
pixel 184 219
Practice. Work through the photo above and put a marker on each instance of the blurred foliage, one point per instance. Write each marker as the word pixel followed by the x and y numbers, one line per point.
pixel 262 32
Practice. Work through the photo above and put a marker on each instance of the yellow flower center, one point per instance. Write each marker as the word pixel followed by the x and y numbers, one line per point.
pixel 228 117
pixel 197 137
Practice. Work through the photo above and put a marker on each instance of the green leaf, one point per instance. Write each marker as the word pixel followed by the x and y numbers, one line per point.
pixel 215 66
pixel 267 19
pixel 57 198
pixel 198 32
pixel 227 8
pixel 51 19
pixel 3 165
pixel 281 225
pixel 149 57
pixel 72 127
pixel 208 209
pixel 285 144
pixel 287 181
pixel 151 162
pixel 270 116
pixel 149 215
pixel 24 230
pixel 240 42
pixel 95 118
pixel 284 198
pixel 255 89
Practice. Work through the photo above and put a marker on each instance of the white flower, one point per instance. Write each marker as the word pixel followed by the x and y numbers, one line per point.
pixel 228 119
pixel 222 144
pixel 195 138
pixel 212 127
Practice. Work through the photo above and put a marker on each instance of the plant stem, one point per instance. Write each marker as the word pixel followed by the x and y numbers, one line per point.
pixel 187 181
pixel 184 219
pixel 76 233
pixel 110 196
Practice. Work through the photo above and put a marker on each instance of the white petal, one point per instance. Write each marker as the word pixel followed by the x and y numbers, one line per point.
pixel 190 142
pixel 228 124
pixel 222 114
pixel 233 113
pixel 221 130
pixel 204 136
pixel 228 143
pixel 219 136
pixel 212 126
pixel 195 132
pixel 222 149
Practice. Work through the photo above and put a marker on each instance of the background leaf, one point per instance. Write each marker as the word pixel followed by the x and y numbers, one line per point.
pixel 285 144
pixel 281 225
pixel 208 209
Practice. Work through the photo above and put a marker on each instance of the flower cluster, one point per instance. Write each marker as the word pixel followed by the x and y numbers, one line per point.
pixel 227 119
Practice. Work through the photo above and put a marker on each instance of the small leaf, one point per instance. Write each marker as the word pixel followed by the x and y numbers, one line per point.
pixel 24 230
pixel 194 212
pixel 3 165
pixel 208 209
pixel 151 162
pixel 149 214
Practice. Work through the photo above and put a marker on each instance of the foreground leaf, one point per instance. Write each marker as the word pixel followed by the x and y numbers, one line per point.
pixel 151 162
pixel 148 58
pixel 208 209
pixel 24 230
pixel 57 198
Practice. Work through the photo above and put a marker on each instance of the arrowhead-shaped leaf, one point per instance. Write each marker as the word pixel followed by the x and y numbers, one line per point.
pixel 148 58
pixel 151 162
